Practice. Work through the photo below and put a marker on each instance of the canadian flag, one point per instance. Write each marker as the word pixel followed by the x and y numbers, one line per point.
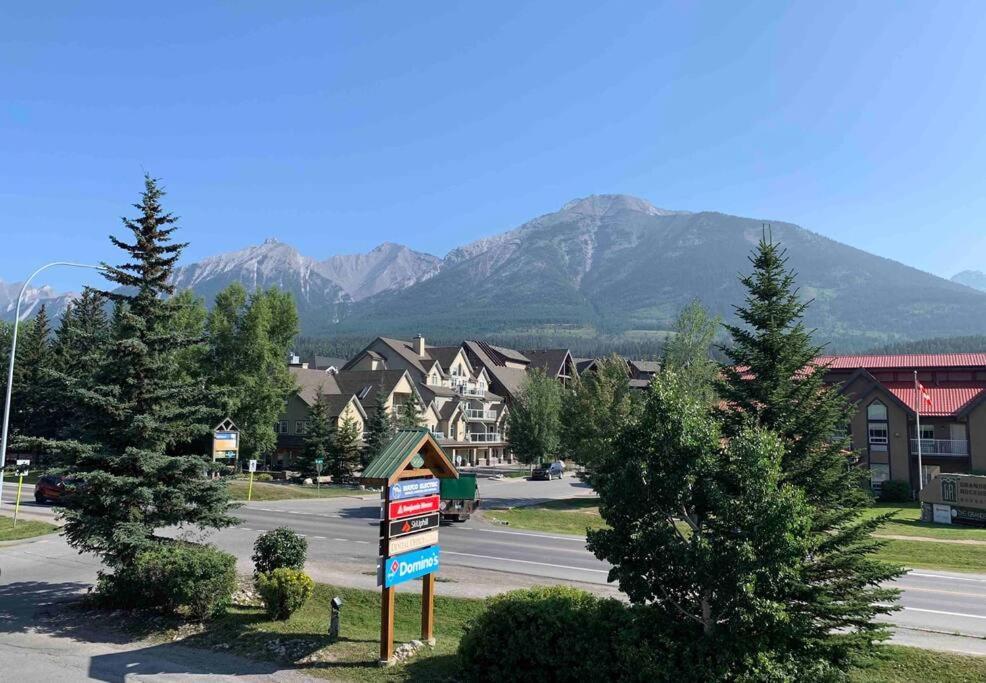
pixel 922 395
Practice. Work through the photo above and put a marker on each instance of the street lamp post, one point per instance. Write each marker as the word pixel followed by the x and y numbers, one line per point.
pixel 13 353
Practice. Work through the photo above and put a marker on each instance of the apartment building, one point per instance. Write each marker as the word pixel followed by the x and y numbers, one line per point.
pixel 347 395
pixel 459 406
pixel 884 425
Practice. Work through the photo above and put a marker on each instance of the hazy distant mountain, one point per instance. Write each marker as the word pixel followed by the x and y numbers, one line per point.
pixel 616 265
pixel 34 297
pixel 607 265
pixel 971 278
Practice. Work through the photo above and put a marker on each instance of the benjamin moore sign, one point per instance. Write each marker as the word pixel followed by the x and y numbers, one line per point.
pixel 401 568
pixel 399 509
pixel 414 488
pixel 399 527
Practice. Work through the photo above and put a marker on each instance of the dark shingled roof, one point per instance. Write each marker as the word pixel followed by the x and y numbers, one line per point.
pixel 645 366
pixel 325 362
pixel 311 382
pixel 443 354
pixel 552 361
pixel 365 383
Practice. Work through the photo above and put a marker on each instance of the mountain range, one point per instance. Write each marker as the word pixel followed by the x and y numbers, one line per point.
pixel 971 278
pixel 611 266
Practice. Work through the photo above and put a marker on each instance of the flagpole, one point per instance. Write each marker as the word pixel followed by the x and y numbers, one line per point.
pixel 917 412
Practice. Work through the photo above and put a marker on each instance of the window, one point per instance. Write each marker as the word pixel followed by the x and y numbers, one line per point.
pixel 281 427
pixel 878 475
pixel 927 432
pixel 876 411
pixel 878 429
pixel 300 426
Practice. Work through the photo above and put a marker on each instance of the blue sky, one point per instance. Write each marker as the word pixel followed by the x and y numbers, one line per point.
pixel 336 126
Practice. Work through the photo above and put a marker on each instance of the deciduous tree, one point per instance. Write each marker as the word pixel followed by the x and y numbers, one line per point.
pixel 534 420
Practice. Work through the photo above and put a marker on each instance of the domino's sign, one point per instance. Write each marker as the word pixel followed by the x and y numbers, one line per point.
pixel 401 568
pixel 413 488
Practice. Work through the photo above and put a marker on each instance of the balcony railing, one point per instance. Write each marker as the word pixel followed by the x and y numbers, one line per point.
pixel 946 447
pixel 438 435
pixel 487 437
pixel 470 390
pixel 476 414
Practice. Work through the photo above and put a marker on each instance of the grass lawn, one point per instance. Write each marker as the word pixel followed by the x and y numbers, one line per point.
pixel 897 664
pixel 25 529
pixel 270 491
pixel 907 522
pixel 931 555
pixel 301 642
pixel 567 516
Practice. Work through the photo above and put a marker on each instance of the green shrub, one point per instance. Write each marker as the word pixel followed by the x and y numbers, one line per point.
pixel 284 591
pixel 279 548
pixel 263 476
pixel 194 581
pixel 895 492
pixel 552 633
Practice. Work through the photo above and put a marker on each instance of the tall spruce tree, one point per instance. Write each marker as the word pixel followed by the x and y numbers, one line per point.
pixel 31 409
pixel 772 383
pixel 344 458
pixel 409 416
pixel 143 410
pixel 317 441
pixel 379 428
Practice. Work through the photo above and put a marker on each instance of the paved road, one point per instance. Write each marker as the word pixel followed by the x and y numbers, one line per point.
pixel 480 559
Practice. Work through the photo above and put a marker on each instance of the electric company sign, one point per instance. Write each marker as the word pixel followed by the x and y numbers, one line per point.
pixel 401 568
pixel 400 509
pixel 414 488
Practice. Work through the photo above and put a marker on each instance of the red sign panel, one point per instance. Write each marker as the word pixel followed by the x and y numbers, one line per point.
pixel 411 508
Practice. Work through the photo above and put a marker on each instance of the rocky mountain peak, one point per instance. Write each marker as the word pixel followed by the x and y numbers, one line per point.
pixel 599 205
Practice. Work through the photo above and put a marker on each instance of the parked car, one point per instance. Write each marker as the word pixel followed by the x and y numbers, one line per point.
pixel 549 471
pixel 53 488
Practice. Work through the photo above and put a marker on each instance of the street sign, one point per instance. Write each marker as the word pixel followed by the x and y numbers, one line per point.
pixel 252 465
pixel 23 468
pixel 404 544
pixel 399 527
pixel 411 565
pixel 225 440
pixel 319 461
pixel 399 509
pixel 413 488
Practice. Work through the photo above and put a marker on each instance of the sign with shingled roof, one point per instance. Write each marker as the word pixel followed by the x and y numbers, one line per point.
pixel 400 459
pixel 408 469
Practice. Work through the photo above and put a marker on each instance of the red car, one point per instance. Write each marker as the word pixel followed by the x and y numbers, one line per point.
pixel 52 488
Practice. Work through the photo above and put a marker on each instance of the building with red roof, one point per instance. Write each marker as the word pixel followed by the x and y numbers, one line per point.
pixel 884 426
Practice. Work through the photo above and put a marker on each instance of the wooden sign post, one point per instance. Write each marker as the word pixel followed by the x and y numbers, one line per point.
pixel 410 503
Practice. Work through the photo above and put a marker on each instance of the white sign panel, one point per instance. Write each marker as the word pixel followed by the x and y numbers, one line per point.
pixel 942 514
pixel 252 465
pixel 404 544
pixel 23 467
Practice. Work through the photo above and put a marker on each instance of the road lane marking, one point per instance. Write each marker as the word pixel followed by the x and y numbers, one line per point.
pixel 944 576
pixel 319 538
pixel 949 614
pixel 939 590
pixel 580 539
pixel 540 564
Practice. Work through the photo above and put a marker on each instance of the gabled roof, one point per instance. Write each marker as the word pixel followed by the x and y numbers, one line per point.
pixel 510 379
pixel 311 382
pixel 552 361
pixel 951 399
pixel 365 383
pixel 445 355
pixel 325 362
pixel 497 355
pixel 336 403
pixel 645 366
pixel 395 458
pixel 903 361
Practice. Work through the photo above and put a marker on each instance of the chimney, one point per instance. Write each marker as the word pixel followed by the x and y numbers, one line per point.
pixel 419 346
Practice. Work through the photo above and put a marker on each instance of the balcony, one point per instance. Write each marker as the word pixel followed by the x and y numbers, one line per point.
pixel 955 448
pixel 488 437
pixel 438 435
pixel 476 414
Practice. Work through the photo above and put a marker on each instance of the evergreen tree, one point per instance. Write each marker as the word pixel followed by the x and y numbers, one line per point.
pixel 772 383
pixel 599 406
pixel 689 350
pixel 143 409
pixel 410 413
pixel 344 458
pixel 317 442
pixel 534 419
pixel 706 538
pixel 31 408
pixel 379 429
pixel 249 340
